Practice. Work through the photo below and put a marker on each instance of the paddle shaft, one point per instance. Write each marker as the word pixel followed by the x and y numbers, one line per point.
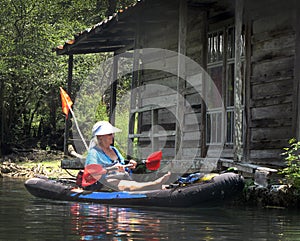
pixel 113 167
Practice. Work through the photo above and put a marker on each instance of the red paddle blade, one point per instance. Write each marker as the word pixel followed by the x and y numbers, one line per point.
pixel 155 156
pixel 153 165
pixel 153 161
pixel 92 173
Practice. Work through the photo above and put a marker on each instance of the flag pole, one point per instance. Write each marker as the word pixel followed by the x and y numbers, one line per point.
pixel 81 136
pixel 69 102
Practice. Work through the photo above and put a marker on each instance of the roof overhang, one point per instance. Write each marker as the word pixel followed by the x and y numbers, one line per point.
pixel 116 33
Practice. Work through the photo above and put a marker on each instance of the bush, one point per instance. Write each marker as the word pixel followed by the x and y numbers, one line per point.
pixel 292 158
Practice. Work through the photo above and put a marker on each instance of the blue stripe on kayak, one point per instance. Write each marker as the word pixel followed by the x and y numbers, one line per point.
pixel 108 195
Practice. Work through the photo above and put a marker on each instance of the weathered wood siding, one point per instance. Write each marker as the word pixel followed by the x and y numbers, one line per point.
pixel 271 81
pixel 160 87
pixel 269 85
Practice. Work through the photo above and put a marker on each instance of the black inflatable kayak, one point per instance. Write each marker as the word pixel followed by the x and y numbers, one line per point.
pixel 219 189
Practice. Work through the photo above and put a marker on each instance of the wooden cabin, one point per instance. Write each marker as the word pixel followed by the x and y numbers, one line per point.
pixel 187 52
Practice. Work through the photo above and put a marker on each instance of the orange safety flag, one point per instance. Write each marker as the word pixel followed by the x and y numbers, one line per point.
pixel 66 101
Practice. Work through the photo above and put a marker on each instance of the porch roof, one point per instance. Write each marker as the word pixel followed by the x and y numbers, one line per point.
pixel 117 33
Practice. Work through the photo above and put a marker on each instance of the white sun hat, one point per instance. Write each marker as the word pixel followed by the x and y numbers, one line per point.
pixel 104 128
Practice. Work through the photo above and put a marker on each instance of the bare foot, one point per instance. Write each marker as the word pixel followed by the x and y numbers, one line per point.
pixel 163 179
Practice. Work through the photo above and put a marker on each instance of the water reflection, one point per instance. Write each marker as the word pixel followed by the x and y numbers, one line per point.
pixel 92 221
pixel 100 222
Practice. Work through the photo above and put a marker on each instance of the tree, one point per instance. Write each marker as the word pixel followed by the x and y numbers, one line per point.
pixel 31 73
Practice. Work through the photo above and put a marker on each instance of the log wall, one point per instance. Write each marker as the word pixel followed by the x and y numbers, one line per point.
pixel 271 82
pixel 270 92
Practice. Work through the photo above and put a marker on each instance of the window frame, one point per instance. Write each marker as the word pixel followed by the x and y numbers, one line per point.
pixel 227 115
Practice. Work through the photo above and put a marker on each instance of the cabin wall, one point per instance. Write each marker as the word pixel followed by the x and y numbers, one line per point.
pixel 270 95
pixel 271 80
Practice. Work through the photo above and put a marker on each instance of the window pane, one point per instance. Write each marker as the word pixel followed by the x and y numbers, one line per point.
pixel 215 46
pixel 231 43
pixel 214 127
pixel 208 128
pixel 216 74
pixel 230 86
pixel 229 132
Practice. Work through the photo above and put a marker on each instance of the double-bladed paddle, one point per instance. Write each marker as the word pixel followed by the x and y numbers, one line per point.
pixel 93 172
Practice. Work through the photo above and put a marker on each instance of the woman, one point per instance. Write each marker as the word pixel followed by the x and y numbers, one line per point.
pixel 102 152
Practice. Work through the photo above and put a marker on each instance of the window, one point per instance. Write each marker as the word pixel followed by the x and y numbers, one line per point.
pixel 221 51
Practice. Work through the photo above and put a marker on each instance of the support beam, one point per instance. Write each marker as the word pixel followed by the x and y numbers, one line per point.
pixel 69 88
pixel 181 71
pixel 238 83
pixel 113 90
pixel 138 44
pixel 203 41
pixel 296 107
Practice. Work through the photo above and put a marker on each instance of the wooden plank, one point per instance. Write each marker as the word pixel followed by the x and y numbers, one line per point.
pixel 160 100
pixel 267 154
pixel 195 136
pixel 164 63
pixel 272 112
pixel 259 9
pixel 265 134
pixel 278 21
pixel 75 164
pixel 279 46
pixel 189 120
pixel 269 144
pixel 159 78
pixel 151 107
pixel 271 122
pixel 272 89
pixel 264 71
pixel 152 91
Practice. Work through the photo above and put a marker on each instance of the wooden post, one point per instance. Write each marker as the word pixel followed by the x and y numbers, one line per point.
pixel 203 37
pixel 134 85
pixel 247 119
pixel 238 83
pixel 182 30
pixel 296 110
pixel 113 90
pixel 69 88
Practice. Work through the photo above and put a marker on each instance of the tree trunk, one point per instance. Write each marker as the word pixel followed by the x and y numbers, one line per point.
pixel 2 115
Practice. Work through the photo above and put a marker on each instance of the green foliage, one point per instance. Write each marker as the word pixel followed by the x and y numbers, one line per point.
pixel 292 158
pixel 31 73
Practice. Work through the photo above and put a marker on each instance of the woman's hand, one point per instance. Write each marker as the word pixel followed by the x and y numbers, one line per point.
pixel 121 168
pixel 118 167
pixel 133 163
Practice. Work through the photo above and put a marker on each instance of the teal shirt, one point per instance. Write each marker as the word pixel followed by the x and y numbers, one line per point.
pixel 97 156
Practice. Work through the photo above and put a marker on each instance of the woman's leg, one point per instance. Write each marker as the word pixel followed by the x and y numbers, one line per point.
pixel 128 185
